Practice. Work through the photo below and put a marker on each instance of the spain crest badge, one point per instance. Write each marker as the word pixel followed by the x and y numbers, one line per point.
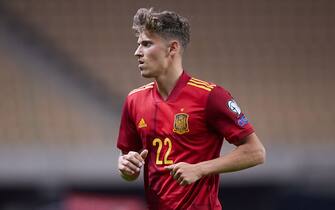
pixel 180 124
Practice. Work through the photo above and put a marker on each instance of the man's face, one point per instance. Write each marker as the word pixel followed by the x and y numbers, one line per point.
pixel 152 53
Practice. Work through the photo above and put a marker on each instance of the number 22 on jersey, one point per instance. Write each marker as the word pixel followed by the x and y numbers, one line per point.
pixel 159 144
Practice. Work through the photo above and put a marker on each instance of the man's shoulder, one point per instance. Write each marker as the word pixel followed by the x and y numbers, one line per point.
pixel 200 85
pixel 143 88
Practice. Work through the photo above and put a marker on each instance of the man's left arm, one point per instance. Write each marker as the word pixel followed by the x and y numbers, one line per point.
pixel 250 152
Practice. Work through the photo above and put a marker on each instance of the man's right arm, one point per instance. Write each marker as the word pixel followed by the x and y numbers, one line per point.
pixel 130 164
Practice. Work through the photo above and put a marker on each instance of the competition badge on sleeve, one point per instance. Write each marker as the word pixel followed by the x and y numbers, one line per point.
pixel 241 119
pixel 234 107
pixel 180 124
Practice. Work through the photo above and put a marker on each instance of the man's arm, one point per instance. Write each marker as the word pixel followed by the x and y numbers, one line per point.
pixel 130 164
pixel 249 153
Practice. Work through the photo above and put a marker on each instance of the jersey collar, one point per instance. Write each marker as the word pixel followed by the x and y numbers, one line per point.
pixel 182 82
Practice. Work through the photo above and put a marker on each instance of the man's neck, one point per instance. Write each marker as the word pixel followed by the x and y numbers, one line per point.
pixel 166 82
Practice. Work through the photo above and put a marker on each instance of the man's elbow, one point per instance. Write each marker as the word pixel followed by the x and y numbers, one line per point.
pixel 257 149
pixel 260 155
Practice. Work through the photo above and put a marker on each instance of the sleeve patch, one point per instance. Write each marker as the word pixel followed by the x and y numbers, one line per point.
pixel 232 105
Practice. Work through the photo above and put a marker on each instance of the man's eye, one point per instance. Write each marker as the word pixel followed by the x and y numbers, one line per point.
pixel 146 44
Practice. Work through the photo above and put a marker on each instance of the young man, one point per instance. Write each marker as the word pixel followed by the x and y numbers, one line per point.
pixel 174 127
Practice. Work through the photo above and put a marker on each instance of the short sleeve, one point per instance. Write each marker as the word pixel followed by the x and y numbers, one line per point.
pixel 128 139
pixel 225 116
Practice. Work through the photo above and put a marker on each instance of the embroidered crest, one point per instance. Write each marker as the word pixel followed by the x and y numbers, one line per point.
pixel 180 124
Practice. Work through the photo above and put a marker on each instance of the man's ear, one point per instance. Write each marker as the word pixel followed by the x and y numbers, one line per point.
pixel 174 47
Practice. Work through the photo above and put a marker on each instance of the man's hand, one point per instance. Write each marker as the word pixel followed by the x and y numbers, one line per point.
pixel 184 173
pixel 130 164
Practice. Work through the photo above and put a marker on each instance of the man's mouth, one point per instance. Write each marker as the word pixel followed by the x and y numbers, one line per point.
pixel 140 63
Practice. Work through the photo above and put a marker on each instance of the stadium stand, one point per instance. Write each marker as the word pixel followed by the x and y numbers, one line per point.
pixel 282 56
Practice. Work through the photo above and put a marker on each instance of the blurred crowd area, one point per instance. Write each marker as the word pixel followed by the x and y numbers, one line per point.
pixel 67 65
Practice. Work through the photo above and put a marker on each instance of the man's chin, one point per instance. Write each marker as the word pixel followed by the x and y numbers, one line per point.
pixel 146 74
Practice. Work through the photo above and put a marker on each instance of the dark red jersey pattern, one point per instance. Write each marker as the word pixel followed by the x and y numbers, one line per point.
pixel 187 127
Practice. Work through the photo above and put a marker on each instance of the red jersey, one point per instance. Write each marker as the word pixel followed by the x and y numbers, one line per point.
pixel 187 127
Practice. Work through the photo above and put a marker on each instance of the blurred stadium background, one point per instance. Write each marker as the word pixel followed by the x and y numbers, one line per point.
pixel 67 65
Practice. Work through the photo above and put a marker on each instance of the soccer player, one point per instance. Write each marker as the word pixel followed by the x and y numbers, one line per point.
pixel 174 127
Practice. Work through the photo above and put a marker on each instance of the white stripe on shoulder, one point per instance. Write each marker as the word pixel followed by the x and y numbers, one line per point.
pixel 144 87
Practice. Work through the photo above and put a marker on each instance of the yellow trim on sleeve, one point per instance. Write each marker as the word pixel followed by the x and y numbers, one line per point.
pixel 199 86
pixel 200 82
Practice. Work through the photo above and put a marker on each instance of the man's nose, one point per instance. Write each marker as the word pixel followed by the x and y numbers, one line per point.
pixel 138 52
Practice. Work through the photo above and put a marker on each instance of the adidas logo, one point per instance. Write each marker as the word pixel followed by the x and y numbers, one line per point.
pixel 142 124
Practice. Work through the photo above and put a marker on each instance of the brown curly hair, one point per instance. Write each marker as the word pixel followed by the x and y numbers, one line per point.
pixel 167 24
